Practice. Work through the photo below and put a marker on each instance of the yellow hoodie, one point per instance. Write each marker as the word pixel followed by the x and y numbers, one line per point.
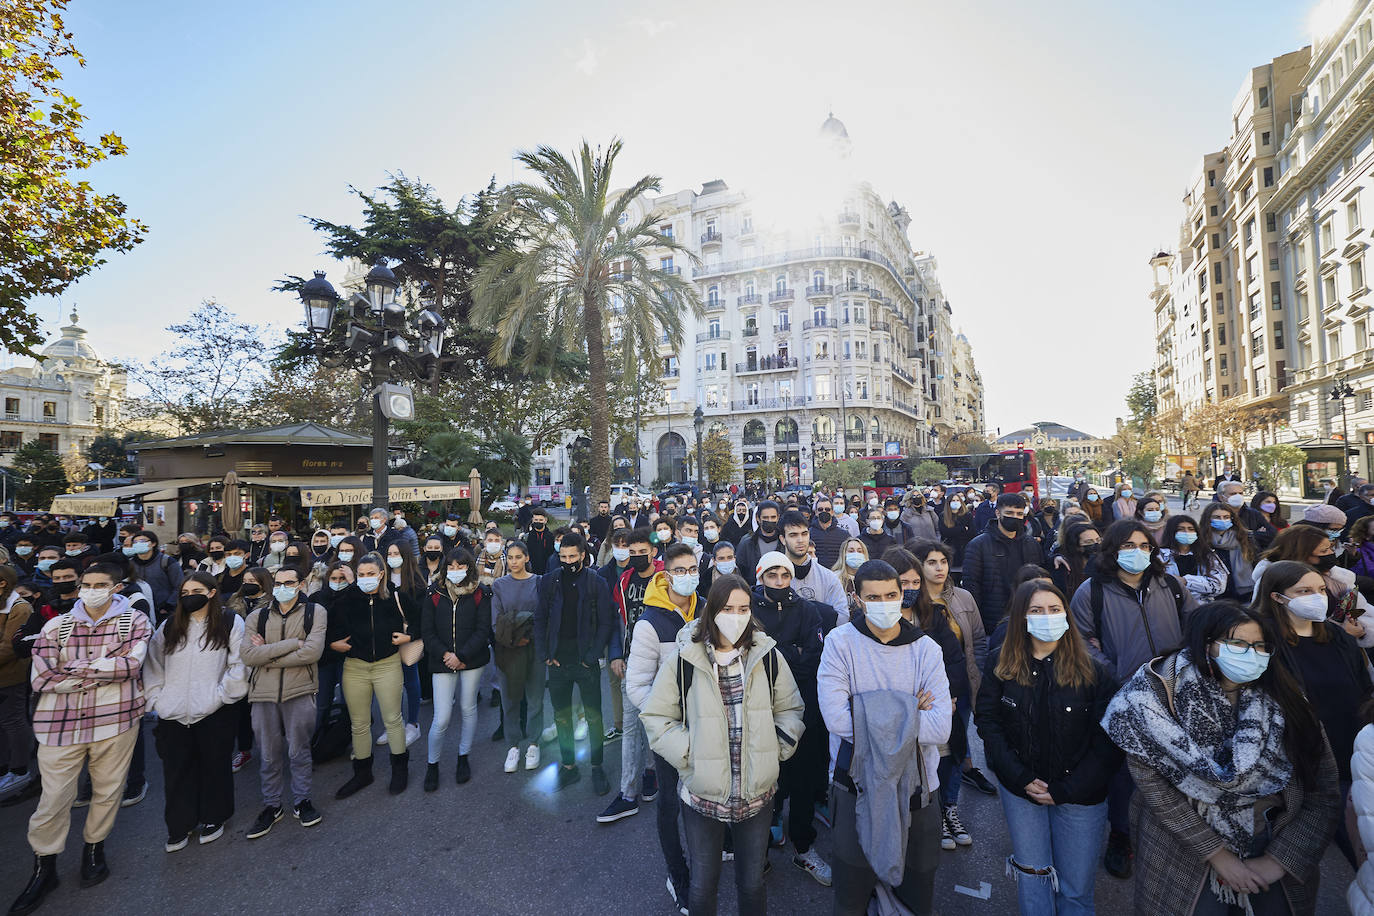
pixel 658 595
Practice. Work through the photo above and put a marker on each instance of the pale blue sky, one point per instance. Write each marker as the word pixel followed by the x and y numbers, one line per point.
pixel 1042 148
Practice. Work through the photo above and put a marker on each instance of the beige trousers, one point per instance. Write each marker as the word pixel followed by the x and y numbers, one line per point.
pixel 108 762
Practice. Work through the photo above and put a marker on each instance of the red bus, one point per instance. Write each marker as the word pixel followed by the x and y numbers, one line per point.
pixel 1014 469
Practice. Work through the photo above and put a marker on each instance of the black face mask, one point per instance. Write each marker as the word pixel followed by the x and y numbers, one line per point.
pixel 1089 550
pixel 434 556
pixel 909 596
pixel 193 603
pixel 217 555
pixel 917 503
pixel 802 570
pixel 571 568
pixel 65 588
pixel 777 594
pixel 824 517
pixel 1010 523
pixel 538 526
pixel 1326 563
pixel 639 563
pixel 768 529
pixel 249 589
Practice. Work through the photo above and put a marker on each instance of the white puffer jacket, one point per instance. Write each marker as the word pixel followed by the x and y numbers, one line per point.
pixel 1360 895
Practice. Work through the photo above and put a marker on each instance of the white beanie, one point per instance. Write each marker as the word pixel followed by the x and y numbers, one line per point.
pixel 773 558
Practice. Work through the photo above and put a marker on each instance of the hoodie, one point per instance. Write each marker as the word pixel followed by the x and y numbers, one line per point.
pixel 654 638
pixel 795 624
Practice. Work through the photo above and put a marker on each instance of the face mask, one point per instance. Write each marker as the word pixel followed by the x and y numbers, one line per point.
pixel 284 593
pixel 955 505
pixel 1269 507
pixel 732 626
pixel 1186 537
pixel 690 542
pixel 368 583
pixel 1152 515
pixel 335 540
pixel 1093 497
pixel 250 589
pixel 142 547
pixel 721 507
pixel 883 615
pixel 337 586
pixel 824 517
pixel 277 546
pixel 909 596
pixel 538 525
pixel 233 562
pixel 711 535
pixel 450 531
pixel 194 602
pixel 777 594
pixel 1011 522
pixel 1047 627
pixel 873 502
pixel 557 545
pixel 1133 560
pixel 1326 563
pixel 127 551
pixel 45 565
pixel 639 563
pixel 23 551
pixel 5 523
pixel 96 597
pixel 1240 666
pixel 853 559
pixel 621 554
pixel 1235 500
pixel 1127 493
pixel 456 575
pixel 685 585
pixel 768 528
pixel 1333 535
pixel 875 525
pixel 571 568
pixel 892 515
pixel 399 522
pixel 395 562
pixel 65 588
pixel 375 523
pixel 75 551
pixel 725 567
pixel 493 548
pixel 1221 524
pixel 434 556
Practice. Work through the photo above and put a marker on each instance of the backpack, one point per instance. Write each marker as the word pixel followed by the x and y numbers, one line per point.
pixel 686 672
pixel 309 620
pixel 334 737
pixel 68 625
pixel 1095 595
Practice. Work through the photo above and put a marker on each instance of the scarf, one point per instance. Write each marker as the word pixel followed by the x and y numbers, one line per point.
pixel 1123 508
pixel 1223 759
pixel 1242 570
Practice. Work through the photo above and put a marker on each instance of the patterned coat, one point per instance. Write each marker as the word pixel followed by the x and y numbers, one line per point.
pixel 1172 841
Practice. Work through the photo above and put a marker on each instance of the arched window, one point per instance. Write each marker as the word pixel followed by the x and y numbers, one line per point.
pixel 874 430
pixel 817 279
pixel 672 458
pixel 786 431
pixel 780 285
pixel 713 295
pixel 754 433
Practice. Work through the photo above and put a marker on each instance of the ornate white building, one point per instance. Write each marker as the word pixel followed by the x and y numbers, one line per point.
pixel 63 400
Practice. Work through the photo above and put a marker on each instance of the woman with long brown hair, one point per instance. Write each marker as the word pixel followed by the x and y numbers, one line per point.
pixel 1039 707
pixel 1233 544
pixel 408 580
pixel 1091 504
pixel 1345 604
pixel 955 526
pixel 192 678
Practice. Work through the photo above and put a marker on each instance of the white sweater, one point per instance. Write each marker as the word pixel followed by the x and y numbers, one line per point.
pixel 1360 894
pixel 191 683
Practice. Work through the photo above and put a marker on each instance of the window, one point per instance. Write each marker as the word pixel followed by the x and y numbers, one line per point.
pixel 1328 236
pixel 665 265
pixel 10 440
pixel 1366 400
pixel 1333 345
pixel 818 279
pixel 1361 335
pixel 1212 210
pixel 1226 391
pixel 1357 275
pixel 710 362
pixel 1221 335
pixel 713 328
pixel 752 394
pixel 860 349
pixel 747 223
pixel 1206 341
pixel 1221 304
pixel 712 295
pixel 1268 176
pixel 1250 232
pixel 1278 335
pixel 1257 343
pixel 48 441
pixel 49 410
pixel 1264 138
pixel 1303 411
pixel 1264 96
pixel 11 407
pixel 1252 268
pixel 784 320
pixel 780 285
pixel 666 230
pixel 1211 178
pixel 1216 272
pixel 712 396
pixel 1275 296
pixel 1216 240
pixel 1271 222
pixel 1352 216
pixel 1329 291
pixel 99 413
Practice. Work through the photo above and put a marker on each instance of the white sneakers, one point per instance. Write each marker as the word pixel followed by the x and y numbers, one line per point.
pixel 412 734
pixel 580 730
pixel 512 759
pixel 532 757
pixel 811 862
pixel 383 739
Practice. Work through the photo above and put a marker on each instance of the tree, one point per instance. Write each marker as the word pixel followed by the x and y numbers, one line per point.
pixel 573 268
pixel 40 476
pixel 113 452
pixel 1051 460
pixel 452 454
pixel 767 471
pixel 967 444
pixel 53 224
pixel 719 457
pixel 1273 462
pixel 334 397
pixel 1142 399
pixel 208 379
pixel 847 473
pixel 928 472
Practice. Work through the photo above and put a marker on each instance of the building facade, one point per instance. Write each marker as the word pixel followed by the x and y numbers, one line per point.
pixel 63 400
pixel 1082 448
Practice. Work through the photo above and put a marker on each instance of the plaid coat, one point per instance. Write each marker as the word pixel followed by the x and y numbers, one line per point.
pixel 1172 841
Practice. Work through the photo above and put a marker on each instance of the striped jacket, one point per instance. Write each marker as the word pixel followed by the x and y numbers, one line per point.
pixel 89 687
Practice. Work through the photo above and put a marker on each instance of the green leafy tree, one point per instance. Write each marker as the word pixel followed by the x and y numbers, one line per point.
pixel 768 472
pixel 334 397
pixel 113 452
pixel 847 473
pixel 928 472
pixel 1274 462
pixel 1052 460
pixel 1142 399
pixel 969 445
pixel 40 476
pixel 719 457
pixel 54 226
pixel 572 262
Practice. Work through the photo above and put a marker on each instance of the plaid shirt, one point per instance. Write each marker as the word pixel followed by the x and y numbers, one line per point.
pixel 734 809
pixel 90 689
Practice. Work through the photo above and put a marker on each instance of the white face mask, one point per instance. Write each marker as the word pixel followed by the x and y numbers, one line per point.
pixel 375 523
pixel 277 546
pixel 1235 500
pixel 725 567
pixel 711 535
pixel 1308 607
pixel 395 562
pixel 456 575
pixel 335 540
pixel 883 615
pixel 493 548
pixel 732 626
pixel 95 597
pixel 450 531
pixel 621 554
pixel 345 556
pixel 853 559
pixel 368 583
pixel 875 524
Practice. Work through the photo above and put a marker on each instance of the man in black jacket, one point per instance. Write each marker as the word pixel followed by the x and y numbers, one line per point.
pixel 574 626
pixel 827 534
pixel 993 557
pixel 751 548
pixel 540 541
pixel 600 526
pixel 524 515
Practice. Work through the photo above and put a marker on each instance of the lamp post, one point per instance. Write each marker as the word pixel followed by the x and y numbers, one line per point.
pixel 99 472
pixel 1340 390
pixel 384 343
pixel 699 422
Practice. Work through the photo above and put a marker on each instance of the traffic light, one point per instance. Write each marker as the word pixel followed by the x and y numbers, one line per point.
pixel 1214 451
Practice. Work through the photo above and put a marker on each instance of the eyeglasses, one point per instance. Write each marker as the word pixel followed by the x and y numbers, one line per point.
pixel 680 571
pixel 1240 645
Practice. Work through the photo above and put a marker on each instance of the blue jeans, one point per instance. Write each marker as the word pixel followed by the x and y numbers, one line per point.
pixel 411 680
pixel 634 749
pixel 951 765
pixel 465 684
pixel 1066 839
pixel 705 837
pixel 331 675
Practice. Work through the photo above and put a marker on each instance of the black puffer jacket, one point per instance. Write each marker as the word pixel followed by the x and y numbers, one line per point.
pixel 990 566
pixel 369 621
pixel 795 624
pixel 1048 732
pixel 462 627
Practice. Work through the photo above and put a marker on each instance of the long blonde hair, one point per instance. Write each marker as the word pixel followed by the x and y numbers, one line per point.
pixel 841 568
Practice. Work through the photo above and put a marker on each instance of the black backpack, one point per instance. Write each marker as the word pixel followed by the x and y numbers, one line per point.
pixel 334 737
pixel 1096 598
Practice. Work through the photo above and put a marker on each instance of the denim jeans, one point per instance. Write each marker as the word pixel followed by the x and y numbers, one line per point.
pixel 951 765
pixel 331 675
pixel 634 749
pixel 669 809
pixel 411 675
pixel 570 672
pixel 704 838
pixel 465 683
pixel 1067 840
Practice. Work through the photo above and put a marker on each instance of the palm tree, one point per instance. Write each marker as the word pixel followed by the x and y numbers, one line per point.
pixel 576 257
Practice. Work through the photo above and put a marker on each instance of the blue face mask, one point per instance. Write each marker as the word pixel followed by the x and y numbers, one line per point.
pixel 1047 627
pixel 1152 515
pixel 1133 560
pixel 1333 535
pixel 725 567
pixel 1240 666
pixel 1127 493
pixel 1186 537
pixel 337 586
pixel 1092 497
pixel 1221 524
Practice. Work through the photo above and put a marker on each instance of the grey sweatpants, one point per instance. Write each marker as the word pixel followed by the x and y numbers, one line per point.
pixel 290 723
pixel 854 880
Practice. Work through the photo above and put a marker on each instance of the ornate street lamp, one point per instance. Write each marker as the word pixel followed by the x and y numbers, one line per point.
pixel 699 422
pixel 383 343
pixel 1340 391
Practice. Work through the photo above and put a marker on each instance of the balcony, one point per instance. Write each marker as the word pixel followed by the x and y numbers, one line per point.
pixel 904 407
pixel 820 292
pixel 782 328
pixel 849 218
pixel 711 237
pixel 812 324
pixel 1166 368
pixel 881 326
pixel 712 335
pixel 915 353
pixel 820 358
pixel 768 364
pixel 875 294
pixel 671 373
pixel 670 269
pixel 746 228
pixel 855 435
pixel 750 299
pixel 903 375
pixel 823 438
pixel 751 332
pixel 714 305
pixel 860 320
pixel 783 403
pixel 780 296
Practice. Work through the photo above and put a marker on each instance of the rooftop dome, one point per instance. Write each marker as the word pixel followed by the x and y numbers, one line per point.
pixel 834 127
pixel 72 344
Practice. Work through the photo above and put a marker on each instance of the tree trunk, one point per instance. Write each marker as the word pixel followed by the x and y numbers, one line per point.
pixel 599 425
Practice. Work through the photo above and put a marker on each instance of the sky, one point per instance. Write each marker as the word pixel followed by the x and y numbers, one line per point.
pixel 1042 148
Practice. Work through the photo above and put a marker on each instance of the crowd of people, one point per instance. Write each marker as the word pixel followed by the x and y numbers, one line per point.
pixel 1185 701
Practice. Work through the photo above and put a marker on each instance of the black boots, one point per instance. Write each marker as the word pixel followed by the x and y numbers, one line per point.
pixel 43 883
pixel 464 772
pixel 432 777
pixel 93 867
pixel 362 778
pixel 400 777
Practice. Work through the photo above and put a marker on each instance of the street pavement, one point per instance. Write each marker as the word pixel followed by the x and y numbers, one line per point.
pixel 502 845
